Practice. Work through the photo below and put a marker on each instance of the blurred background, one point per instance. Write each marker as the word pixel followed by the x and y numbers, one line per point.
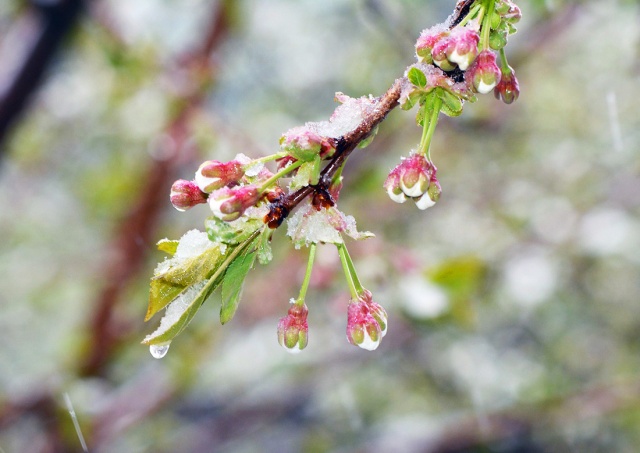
pixel 514 303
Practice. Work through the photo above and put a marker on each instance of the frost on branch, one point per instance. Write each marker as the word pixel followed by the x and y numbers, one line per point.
pixel 456 60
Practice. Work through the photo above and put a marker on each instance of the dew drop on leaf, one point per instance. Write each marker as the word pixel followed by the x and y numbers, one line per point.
pixel 158 351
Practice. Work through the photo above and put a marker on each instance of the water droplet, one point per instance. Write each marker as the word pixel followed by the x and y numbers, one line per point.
pixel 158 351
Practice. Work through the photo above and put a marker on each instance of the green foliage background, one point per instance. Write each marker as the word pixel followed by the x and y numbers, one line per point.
pixel 514 303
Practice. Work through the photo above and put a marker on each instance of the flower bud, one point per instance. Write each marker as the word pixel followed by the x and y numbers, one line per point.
pixel 366 322
pixel 508 89
pixel 411 178
pixel 186 194
pixel 484 74
pixel 213 174
pixel 228 204
pixel 459 48
pixel 305 144
pixel 426 42
pixel 293 330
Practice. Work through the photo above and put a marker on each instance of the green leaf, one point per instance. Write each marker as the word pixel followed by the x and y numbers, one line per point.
pixel 232 284
pixel 194 269
pixel 308 173
pixel 178 316
pixel 168 246
pixel 451 104
pixel 161 294
pixel 426 107
pixel 185 305
pixel 175 275
pixel 221 231
pixel 417 77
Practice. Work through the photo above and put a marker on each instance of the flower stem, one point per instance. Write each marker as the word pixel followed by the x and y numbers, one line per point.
pixel 486 23
pixel 288 169
pixel 268 158
pixel 307 275
pixel 504 64
pixel 355 287
pixel 472 13
pixel 429 128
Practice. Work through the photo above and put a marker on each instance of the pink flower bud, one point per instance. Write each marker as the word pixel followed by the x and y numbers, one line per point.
pixel 228 204
pixel 293 330
pixel 366 322
pixel 508 89
pixel 484 74
pixel 513 14
pixel 305 144
pixel 186 194
pixel 213 174
pixel 411 178
pixel 426 42
pixel 463 47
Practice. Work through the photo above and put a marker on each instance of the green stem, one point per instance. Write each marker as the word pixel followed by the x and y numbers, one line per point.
pixel 486 24
pixel 504 65
pixel 429 129
pixel 355 287
pixel 307 275
pixel 336 178
pixel 280 174
pixel 472 13
pixel 268 158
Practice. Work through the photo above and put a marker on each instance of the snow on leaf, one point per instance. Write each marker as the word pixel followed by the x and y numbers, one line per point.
pixel 179 313
pixel 309 225
pixel 194 260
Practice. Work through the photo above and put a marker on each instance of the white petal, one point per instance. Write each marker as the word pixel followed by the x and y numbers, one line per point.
pixel 398 198
pixel 424 202
pixel 203 181
pixel 483 88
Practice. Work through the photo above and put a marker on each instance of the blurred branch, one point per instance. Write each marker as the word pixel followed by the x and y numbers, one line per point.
pixel 130 244
pixel 40 33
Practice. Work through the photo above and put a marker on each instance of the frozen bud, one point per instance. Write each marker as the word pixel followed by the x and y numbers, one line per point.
pixel 484 74
pixel 366 323
pixel 426 42
pixel 411 178
pixel 212 174
pixel 293 330
pixel 508 89
pixel 377 311
pixel 304 144
pixel 230 203
pixel 513 14
pixel 186 194
pixel 463 48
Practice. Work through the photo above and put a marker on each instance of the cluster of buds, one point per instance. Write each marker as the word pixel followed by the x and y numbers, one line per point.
pixel 226 186
pixel 463 48
pixel 366 322
pixel 293 330
pixel 415 178
pixel 450 49
pixel 456 61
